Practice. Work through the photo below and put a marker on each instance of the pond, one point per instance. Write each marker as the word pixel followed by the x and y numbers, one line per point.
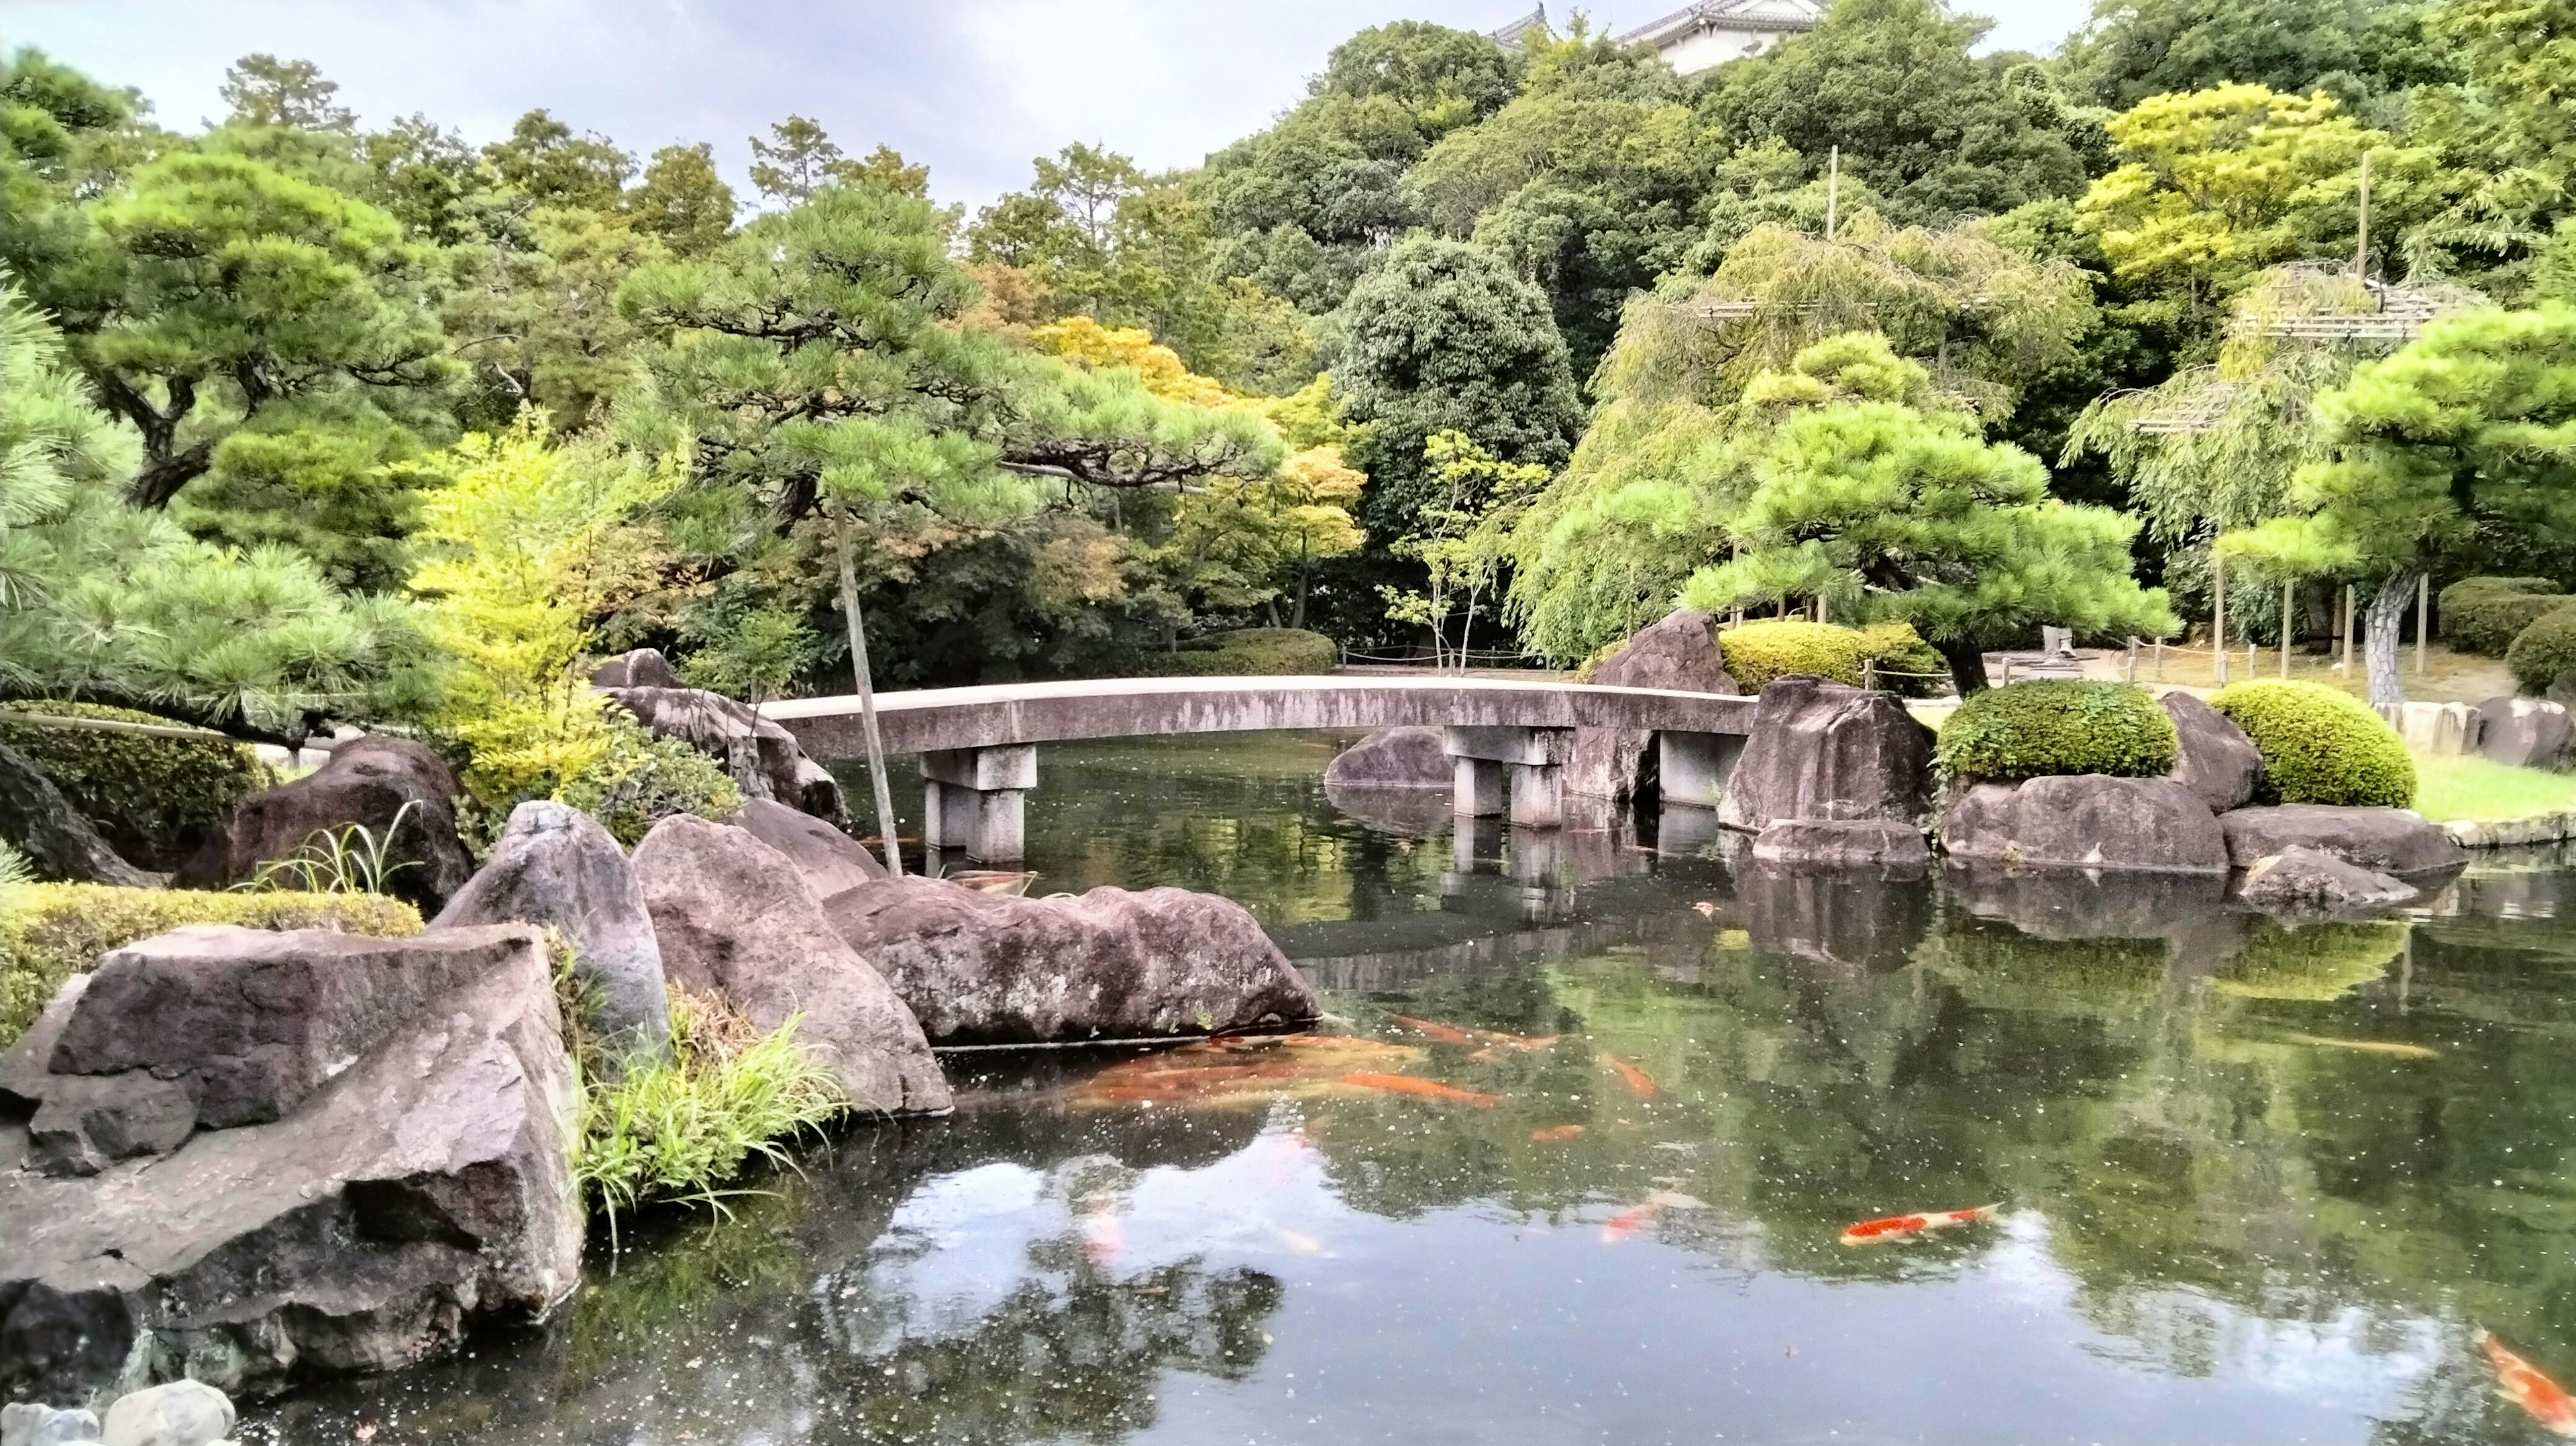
pixel 2253 1184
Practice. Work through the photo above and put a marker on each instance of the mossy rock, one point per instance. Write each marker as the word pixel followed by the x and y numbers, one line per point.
pixel 54 931
pixel 151 798
pixel 1255 652
pixel 2319 745
pixel 2032 730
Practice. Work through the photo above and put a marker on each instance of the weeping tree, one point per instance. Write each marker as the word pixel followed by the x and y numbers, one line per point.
pixel 103 602
pixel 2464 438
pixel 812 369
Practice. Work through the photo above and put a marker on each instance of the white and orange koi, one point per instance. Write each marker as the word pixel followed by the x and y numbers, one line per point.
pixel 2524 1384
pixel 1897 1227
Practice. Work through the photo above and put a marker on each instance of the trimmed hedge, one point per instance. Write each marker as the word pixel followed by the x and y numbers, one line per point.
pixel 54 931
pixel 152 799
pixel 2028 730
pixel 1760 653
pixel 2486 623
pixel 2545 649
pixel 1256 652
pixel 2319 745
pixel 2469 587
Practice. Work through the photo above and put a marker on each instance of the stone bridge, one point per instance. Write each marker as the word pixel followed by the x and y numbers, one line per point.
pixel 1509 740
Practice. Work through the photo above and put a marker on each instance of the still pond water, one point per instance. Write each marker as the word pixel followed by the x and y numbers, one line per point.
pixel 2256 1185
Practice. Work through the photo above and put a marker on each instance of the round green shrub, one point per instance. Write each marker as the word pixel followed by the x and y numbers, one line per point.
pixel 2027 730
pixel 2319 745
pixel 2469 587
pixel 2486 623
pixel 2544 650
pixel 151 798
pixel 1758 654
pixel 1256 652
pixel 1906 663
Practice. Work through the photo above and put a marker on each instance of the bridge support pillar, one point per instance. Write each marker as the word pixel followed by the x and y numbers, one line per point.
pixel 977 799
pixel 1531 759
pixel 1692 768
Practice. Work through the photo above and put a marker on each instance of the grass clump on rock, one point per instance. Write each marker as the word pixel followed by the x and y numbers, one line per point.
pixel 50 932
pixel 2545 651
pixel 1758 654
pixel 2319 745
pixel 684 1131
pixel 151 798
pixel 1258 652
pixel 2032 730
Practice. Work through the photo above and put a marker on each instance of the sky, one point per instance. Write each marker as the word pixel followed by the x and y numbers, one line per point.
pixel 976 88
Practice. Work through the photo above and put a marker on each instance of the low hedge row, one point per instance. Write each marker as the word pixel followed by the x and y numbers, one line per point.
pixel 2031 730
pixel 1760 653
pixel 2486 623
pixel 2319 745
pixel 54 931
pixel 151 798
pixel 1257 652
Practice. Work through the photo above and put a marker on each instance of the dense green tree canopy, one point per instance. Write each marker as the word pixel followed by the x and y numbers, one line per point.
pixel 2133 49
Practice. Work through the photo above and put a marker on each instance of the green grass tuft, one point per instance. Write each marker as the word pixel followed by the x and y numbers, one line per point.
pixel 2472 788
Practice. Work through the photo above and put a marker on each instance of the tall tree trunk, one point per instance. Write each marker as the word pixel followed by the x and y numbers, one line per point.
pixel 2379 635
pixel 1297 619
pixel 867 701
pixel 1967 666
pixel 36 817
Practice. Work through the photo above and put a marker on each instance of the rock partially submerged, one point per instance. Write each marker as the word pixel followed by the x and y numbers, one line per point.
pixel 556 867
pixel 1843 843
pixel 182 1413
pixel 2386 840
pixel 2086 821
pixel 986 969
pixel 735 920
pixel 1404 757
pixel 2213 757
pixel 416 1176
pixel 1679 653
pixel 2300 879
pixel 1822 750
pixel 24 1423
pixel 763 758
pixel 369 781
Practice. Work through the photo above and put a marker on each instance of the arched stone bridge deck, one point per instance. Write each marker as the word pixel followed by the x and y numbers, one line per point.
pixel 978 760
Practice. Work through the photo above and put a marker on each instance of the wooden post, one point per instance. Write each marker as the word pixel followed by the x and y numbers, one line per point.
pixel 2423 619
pixel 2250 664
pixel 2361 227
pixel 2218 614
pixel 2346 625
pixel 2133 660
pixel 1833 190
pixel 2160 659
pixel 868 703
pixel 2285 628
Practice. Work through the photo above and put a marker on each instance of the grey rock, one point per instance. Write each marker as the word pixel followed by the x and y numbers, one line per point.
pixel 556 867
pixel 1842 843
pixel 182 1413
pixel 763 758
pixel 86 1123
pixel 251 1021
pixel 2386 840
pixel 24 1423
pixel 2215 759
pixel 736 921
pixel 2300 879
pixel 1823 750
pixel 1112 964
pixel 1406 757
pixel 829 859
pixel 2522 732
pixel 1679 653
pixel 642 668
pixel 2086 821
pixel 1404 812
pixel 368 781
pixel 423 1185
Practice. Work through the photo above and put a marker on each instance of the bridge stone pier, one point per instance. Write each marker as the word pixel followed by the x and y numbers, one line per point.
pixel 1508 741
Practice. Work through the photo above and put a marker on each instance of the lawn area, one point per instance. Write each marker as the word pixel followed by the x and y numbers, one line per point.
pixel 2472 788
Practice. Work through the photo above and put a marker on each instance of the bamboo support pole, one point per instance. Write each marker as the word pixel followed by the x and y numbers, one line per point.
pixel 2423 619
pixel 2218 615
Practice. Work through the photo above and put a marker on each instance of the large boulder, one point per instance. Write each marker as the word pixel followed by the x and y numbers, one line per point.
pixel 2213 757
pixel 1679 653
pixel 736 921
pixel 2522 732
pixel 2085 821
pixel 826 858
pixel 182 1413
pixel 1112 964
pixel 2300 880
pixel 1824 750
pixel 763 758
pixel 1406 757
pixel 2385 840
pixel 415 1179
pixel 379 783
pixel 556 867
pixel 1842 843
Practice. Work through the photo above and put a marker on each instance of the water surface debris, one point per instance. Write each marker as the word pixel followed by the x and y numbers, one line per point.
pixel 1405 1084
pixel 1897 1227
pixel 2527 1386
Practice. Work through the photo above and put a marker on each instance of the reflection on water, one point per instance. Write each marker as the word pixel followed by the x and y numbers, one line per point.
pixel 2258 1184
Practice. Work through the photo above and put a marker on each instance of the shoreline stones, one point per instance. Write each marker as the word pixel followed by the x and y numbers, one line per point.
pixel 2300 879
pixel 1678 653
pixel 2385 840
pixel 368 781
pixel 2086 821
pixel 1822 750
pixel 1842 843
pixel 1404 757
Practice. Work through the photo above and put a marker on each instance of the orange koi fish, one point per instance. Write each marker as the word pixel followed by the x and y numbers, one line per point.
pixel 1628 1222
pixel 1869 1232
pixel 1103 1238
pixel 1556 1134
pixel 1405 1084
pixel 2522 1383
pixel 1445 1034
pixel 1638 1081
